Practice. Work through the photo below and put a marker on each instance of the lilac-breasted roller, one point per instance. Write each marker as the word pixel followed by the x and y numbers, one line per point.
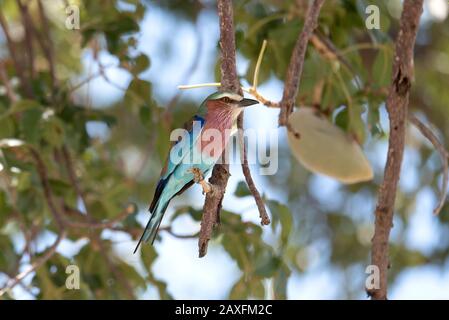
pixel 196 152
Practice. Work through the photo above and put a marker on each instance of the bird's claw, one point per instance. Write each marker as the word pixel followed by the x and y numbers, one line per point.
pixel 198 177
pixel 206 186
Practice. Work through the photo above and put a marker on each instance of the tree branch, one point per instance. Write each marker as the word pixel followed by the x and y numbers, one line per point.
pixel 4 78
pixel 35 265
pixel 264 218
pixel 15 57
pixel 397 105
pixel 46 44
pixel 29 32
pixel 294 70
pixel 287 103
pixel 229 79
pixel 229 82
pixel 444 155
pixel 43 175
pixel 118 274
pixel 92 224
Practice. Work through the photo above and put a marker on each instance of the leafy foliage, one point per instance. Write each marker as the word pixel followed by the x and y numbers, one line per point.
pixel 98 174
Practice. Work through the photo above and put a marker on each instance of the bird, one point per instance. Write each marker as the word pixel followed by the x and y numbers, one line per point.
pixel 217 114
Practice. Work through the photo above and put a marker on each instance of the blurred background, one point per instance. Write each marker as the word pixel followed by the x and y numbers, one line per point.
pixel 88 111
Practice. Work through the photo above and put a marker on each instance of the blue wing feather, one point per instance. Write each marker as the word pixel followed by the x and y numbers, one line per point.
pixel 190 138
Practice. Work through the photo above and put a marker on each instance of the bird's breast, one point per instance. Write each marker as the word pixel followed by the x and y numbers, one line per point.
pixel 215 137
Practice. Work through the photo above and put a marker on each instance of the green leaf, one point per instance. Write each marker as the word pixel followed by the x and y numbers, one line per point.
pixel 267 265
pixel 131 220
pixel 240 290
pixel 141 63
pixel 149 254
pixel 24 181
pixel 374 119
pixel 162 146
pixel 20 106
pixel 242 190
pixel 30 125
pixel 195 214
pixel 4 208
pixel 53 131
pixel 49 290
pixel 282 214
pixel 60 187
pixel 326 149
pixel 145 116
pixel 257 289
pixel 7 253
pixel 342 119
pixel 6 128
pixel 30 201
pixel 382 67
pixel 235 247
pixel 280 283
pixel 356 124
pixel 98 209
pixel 138 93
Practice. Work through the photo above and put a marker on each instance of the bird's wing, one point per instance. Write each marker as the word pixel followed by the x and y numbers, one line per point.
pixel 184 145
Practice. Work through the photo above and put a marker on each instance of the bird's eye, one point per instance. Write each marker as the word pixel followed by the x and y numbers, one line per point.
pixel 226 99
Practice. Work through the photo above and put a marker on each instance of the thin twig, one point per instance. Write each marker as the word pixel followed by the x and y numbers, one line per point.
pixel 92 224
pixel 258 64
pixel 444 155
pixel 295 67
pixel 35 265
pixel 264 218
pixel 5 80
pixel 89 78
pixel 29 33
pixel 199 85
pixel 13 52
pixel 253 89
pixel 43 175
pixel 118 274
pixel 106 78
pixel 71 172
pixel 179 236
pixel 47 44
pixel 229 82
pixel 95 224
pixel 397 105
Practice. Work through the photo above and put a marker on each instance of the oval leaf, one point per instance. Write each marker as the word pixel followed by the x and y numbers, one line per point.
pixel 325 148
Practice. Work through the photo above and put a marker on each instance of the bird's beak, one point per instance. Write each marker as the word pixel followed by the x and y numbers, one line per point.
pixel 247 102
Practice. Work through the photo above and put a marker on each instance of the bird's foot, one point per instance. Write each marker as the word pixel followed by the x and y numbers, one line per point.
pixel 198 177
pixel 206 186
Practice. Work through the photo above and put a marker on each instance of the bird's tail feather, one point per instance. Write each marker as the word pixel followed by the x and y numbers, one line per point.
pixel 150 232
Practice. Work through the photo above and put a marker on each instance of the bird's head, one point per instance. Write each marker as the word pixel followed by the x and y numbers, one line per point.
pixel 227 102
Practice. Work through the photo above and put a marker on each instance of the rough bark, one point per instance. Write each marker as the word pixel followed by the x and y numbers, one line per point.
pixel 294 70
pixel 230 83
pixel 397 105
